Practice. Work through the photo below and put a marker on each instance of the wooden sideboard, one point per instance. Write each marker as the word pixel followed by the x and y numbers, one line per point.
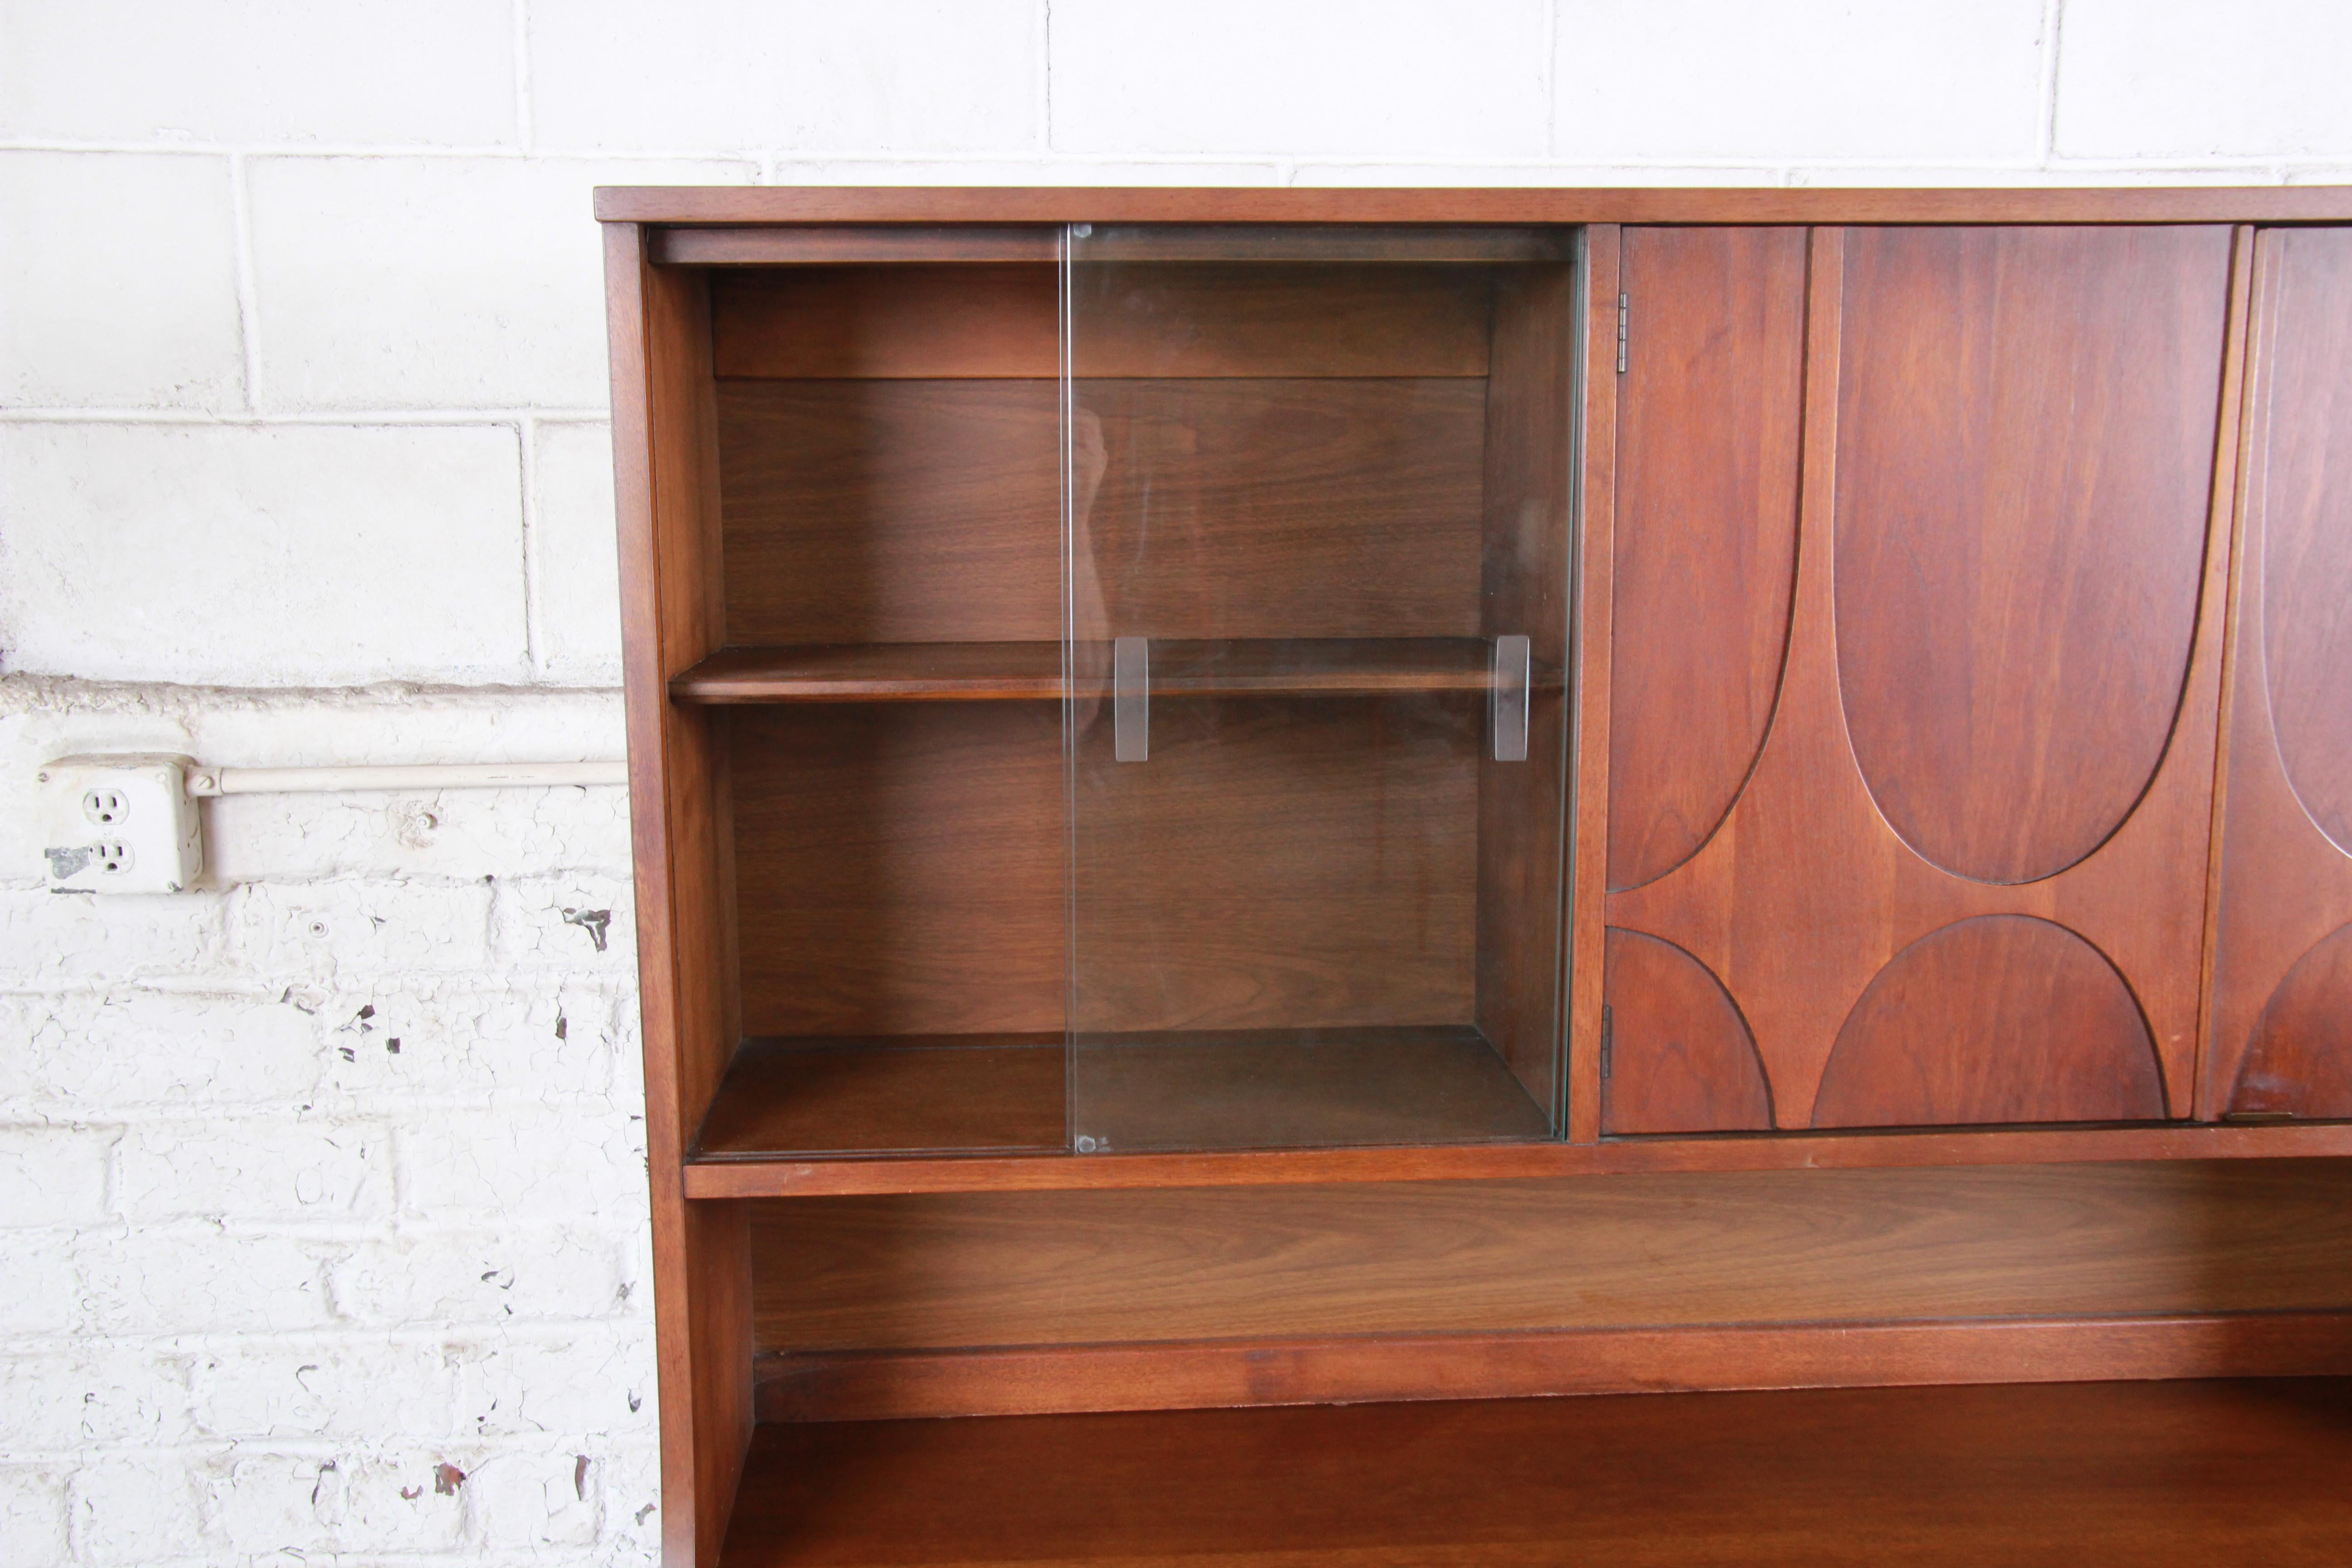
pixel 1253 797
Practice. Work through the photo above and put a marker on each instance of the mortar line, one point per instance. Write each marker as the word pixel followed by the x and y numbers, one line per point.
pixel 2054 21
pixel 248 293
pixel 533 627
pixel 523 129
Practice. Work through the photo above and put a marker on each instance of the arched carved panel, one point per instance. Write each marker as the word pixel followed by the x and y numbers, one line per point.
pixel 2001 1018
pixel 2026 422
pixel 2286 843
pixel 1706 528
pixel 2300 1062
pixel 2307 577
pixel 1682 1059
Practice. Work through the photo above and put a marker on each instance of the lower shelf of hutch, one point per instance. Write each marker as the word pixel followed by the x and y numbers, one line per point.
pixel 1008 1094
pixel 2073 1474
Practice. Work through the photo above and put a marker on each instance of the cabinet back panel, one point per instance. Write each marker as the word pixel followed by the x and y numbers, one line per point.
pixel 1280 864
pixel 1287 508
pixel 1246 319
pixel 898 869
pixel 971 1269
pixel 1184 320
pixel 890 510
pixel 889 322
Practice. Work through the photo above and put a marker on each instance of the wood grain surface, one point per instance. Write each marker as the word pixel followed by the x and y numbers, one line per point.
pixel 1278 863
pixel 1592 632
pixel 840 244
pixel 2299 1062
pixel 899 868
pixel 1137 320
pixel 1282 508
pixel 1216 1375
pixel 929 323
pixel 2278 988
pixel 1706 544
pixel 1291 1088
pixel 890 1094
pixel 1998 1019
pixel 952 1271
pixel 2259 1138
pixel 2168 1475
pixel 1680 1058
pixel 665 493
pixel 1032 671
pixel 877 672
pixel 2026 437
pixel 891 512
pixel 1806 893
pixel 1737 204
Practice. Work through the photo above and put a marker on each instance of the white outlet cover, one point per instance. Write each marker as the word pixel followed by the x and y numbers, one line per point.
pixel 119 824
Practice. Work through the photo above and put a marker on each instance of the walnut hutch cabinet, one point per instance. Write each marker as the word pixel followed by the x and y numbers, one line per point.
pixel 1251 798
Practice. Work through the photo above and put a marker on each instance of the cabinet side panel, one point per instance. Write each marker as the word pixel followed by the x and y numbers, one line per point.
pixel 666 504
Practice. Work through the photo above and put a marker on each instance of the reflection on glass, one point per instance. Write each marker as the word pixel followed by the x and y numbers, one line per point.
pixel 1317 546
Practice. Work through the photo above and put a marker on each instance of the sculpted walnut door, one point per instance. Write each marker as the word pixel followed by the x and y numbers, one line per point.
pixel 1918 636
pixel 2282 1024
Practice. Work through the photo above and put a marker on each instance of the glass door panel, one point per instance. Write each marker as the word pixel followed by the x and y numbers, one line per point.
pixel 1317 487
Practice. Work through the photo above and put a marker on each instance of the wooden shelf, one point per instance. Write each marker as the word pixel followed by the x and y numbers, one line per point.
pixel 967 1094
pixel 1299 1088
pixel 760 1175
pixel 2159 1473
pixel 879 672
pixel 801 1101
pixel 1032 671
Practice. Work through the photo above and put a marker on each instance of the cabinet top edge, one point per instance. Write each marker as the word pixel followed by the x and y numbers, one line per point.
pixel 696 204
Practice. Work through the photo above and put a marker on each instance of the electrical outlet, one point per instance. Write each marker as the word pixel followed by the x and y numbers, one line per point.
pixel 119 825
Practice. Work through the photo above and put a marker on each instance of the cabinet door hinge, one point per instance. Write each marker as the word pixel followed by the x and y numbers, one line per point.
pixel 1623 310
pixel 1608 1040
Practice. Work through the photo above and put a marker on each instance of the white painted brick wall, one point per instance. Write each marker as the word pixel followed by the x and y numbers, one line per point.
pixel 321 1189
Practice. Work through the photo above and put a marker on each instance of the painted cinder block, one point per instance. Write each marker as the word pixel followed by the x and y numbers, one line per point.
pixel 895 76
pixel 491 267
pixel 132 1509
pixel 95 1394
pixel 340 1387
pixel 79 1054
pixel 52 1175
pixel 32 1516
pixel 422 73
pixel 1313 78
pixel 1802 81
pixel 321 931
pixel 524 1163
pixel 117 282
pixel 263 555
pixel 2260 81
pixel 575 560
pixel 447 1278
pixel 198 1277
pixel 282 1165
